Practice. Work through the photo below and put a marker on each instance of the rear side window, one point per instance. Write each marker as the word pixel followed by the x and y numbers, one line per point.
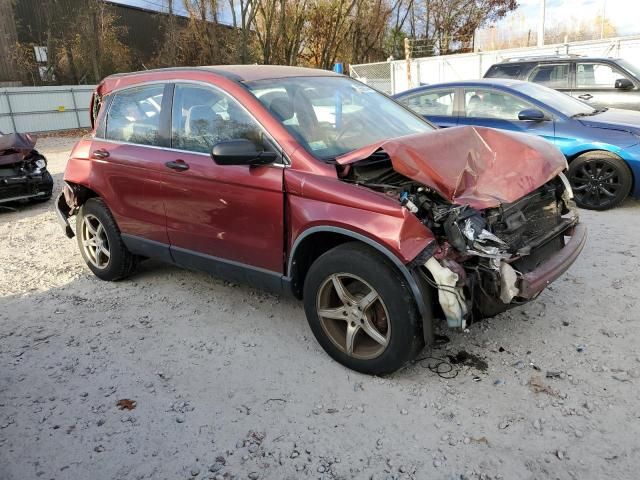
pixel 504 71
pixel 434 102
pixel 552 76
pixel 134 115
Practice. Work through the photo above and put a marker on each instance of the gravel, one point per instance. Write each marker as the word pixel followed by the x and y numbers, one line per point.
pixel 207 363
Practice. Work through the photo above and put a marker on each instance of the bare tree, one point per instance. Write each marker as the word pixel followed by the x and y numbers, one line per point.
pixel 278 26
pixel 450 25
pixel 203 30
pixel 243 23
pixel 366 34
pixel 326 31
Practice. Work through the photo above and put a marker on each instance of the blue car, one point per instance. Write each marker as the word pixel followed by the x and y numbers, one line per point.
pixel 601 145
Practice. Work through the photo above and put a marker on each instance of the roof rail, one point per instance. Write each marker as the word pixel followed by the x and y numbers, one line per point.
pixel 541 57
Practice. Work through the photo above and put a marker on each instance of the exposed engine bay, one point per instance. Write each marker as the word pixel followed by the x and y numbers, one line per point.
pixel 480 255
pixel 23 171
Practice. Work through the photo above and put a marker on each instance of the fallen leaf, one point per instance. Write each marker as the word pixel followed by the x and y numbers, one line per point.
pixel 481 440
pixel 538 386
pixel 126 404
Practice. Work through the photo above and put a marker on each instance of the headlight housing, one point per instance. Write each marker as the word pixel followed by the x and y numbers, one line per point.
pixel 41 163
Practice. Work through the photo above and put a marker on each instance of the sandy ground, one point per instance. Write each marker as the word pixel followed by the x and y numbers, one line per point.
pixel 230 383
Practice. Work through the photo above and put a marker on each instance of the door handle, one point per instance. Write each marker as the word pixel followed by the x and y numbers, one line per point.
pixel 585 96
pixel 100 154
pixel 178 165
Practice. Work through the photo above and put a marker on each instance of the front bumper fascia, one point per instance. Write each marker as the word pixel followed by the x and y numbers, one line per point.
pixel 532 283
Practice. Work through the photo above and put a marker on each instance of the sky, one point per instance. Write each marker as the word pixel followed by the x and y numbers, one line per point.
pixel 623 14
pixel 161 5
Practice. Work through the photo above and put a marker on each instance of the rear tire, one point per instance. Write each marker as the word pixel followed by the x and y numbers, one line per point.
pixel 100 242
pixel 600 180
pixel 379 308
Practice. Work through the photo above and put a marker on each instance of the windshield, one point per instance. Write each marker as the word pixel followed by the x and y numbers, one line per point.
pixel 331 116
pixel 630 67
pixel 563 103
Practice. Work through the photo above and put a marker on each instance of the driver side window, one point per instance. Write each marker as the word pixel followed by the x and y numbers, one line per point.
pixel 203 116
pixel 596 75
pixel 493 104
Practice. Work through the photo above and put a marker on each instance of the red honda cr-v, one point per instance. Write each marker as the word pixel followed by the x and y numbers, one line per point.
pixel 311 183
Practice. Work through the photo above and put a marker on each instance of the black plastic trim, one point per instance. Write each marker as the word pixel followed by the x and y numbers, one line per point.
pixel 219 267
pixel 147 248
pixel 228 269
pixel 418 295
pixel 165 115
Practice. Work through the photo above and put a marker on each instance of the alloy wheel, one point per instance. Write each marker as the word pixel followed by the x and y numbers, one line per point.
pixel 95 242
pixel 353 316
pixel 596 183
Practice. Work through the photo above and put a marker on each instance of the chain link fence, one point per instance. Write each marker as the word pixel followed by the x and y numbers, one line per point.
pixel 377 75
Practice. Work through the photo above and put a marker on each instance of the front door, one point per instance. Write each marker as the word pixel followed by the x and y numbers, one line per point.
pixel 493 108
pixel 596 85
pixel 230 217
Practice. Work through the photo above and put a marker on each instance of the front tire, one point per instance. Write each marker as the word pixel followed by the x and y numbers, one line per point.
pixel 600 180
pixel 100 242
pixel 361 311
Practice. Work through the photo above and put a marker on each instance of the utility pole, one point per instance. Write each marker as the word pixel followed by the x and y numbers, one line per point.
pixel 407 56
pixel 541 23
pixel 604 12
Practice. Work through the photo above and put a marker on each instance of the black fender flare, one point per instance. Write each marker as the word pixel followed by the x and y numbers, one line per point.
pixel 420 292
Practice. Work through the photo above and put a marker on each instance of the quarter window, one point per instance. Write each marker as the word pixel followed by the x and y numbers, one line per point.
pixel 203 117
pixel 596 75
pixel 493 104
pixel 438 102
pixel 134 115
pixel 552 76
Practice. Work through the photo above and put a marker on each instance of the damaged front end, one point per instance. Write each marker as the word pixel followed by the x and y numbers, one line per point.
pixel 23 171
pixel 493 251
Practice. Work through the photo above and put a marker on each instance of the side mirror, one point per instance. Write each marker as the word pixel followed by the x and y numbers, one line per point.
pixel 532 114
pixel 241 152
pixel 623 84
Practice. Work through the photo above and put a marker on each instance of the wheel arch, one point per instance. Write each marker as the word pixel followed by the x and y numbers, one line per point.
pixel 76 194
pixel 315 241
pixel 578 153
pixel 72 197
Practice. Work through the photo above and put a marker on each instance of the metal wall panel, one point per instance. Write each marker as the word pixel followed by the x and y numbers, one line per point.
pixel 43 109
pixel 470 66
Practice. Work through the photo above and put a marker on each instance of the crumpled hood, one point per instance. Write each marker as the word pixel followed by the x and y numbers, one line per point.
pixel 15 146
pixel 614 119
pixel 478 166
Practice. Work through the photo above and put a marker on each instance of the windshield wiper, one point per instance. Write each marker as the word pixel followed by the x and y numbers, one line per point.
pixel 589 114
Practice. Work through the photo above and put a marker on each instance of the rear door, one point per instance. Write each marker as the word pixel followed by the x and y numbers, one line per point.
pixel 128 159
pixel 220 217
pixel 437 106
pixel 553 75
pixel 488 107
pixel 595 85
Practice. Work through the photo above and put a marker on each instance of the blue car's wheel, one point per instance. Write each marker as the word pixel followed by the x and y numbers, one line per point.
pixel 600 180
